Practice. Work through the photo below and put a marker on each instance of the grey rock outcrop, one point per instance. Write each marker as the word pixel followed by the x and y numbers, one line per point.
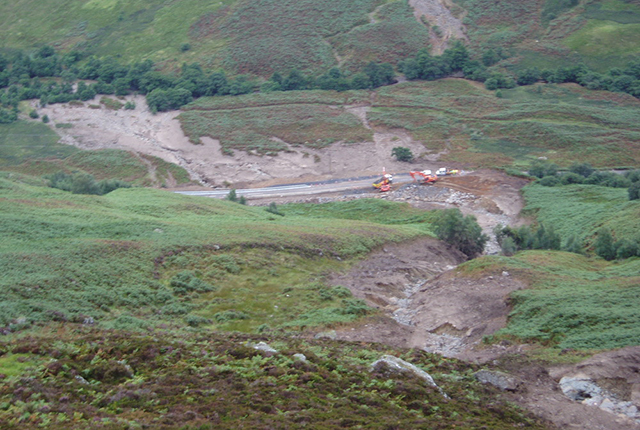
pixel 398 365
pixel 501 380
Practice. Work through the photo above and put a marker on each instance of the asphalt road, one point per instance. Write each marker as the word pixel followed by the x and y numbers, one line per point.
pixel 302 189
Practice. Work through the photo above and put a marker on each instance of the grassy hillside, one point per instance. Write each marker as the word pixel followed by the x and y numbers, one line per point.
pixel 565 123
pixel 22 141
pixel 548 33
pixel 251 122
pixel 138 257
pixel 32 148
pixel 125 310
pixel 242 36
pixel 581 210
pixel 572 301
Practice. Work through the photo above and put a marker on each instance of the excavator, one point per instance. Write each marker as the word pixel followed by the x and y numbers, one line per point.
pixel 424 177
pixel 384 183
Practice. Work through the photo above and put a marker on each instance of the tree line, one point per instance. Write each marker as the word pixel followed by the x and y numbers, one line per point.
pixel 26 76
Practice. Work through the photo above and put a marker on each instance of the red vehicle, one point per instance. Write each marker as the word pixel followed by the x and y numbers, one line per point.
pixel 424 177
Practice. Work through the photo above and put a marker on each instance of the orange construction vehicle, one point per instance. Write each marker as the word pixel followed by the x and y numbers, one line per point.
pixel 425 177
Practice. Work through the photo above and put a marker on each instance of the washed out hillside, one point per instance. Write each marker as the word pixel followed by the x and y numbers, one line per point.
pixel 197 231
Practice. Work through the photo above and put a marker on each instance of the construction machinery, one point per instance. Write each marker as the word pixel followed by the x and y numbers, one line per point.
pixel 384 183
pixel 424 177
pixel 445 171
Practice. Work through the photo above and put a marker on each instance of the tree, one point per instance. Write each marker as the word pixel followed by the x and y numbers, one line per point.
pixel 84 183
pixel 633 175
pixel 584 169
pixel 295 81
pixel 232 196
pixel 571 178
pixel 242 84
pixel 604 245
pixel 217 84
pixel 333 80
pixel 3 63
pixel 528 76
pixel 153 80
pixel 157 100
pixel 121 86
pixel 361 81
pixel 463 232
pixel 490 57
pixel 540 169
pixel 379 74
pixel 491 84
pixel 402 154
pixel 634 191
pixel 573 245
pixel 457 56
pixel 626 248
pixel 546 238
pixel 46 51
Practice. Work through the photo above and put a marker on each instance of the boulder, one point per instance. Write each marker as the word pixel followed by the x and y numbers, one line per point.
pixel 501 380
pixel 262 346
pixel 398 365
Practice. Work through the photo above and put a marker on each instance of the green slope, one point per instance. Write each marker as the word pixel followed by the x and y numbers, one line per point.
pixel 263 36
pixel 461 119
pixel 160 257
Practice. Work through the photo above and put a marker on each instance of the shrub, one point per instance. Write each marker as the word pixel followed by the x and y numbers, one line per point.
pixel 402 154
pixel 230 315
pixel 226 262
pixel 186 282
pixel 195 320
pixel 353 306
pixel 129 323
pixel 273 208
pixel 508 246
pixel 33 114
pixel 342 292
pixel 463 232
pixel 175 308
pixel 84 183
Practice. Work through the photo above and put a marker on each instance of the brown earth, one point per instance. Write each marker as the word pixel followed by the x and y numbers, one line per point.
pixel 424 301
